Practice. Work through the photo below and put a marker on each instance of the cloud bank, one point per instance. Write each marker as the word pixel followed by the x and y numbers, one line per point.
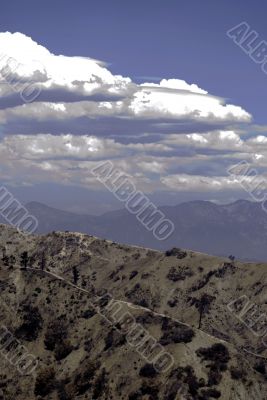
pixel 83 90
pixel 172 135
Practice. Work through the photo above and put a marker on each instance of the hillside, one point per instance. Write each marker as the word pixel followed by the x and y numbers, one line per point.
pixel 65 321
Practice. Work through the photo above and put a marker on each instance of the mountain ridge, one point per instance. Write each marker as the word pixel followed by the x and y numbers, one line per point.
pixel 238 228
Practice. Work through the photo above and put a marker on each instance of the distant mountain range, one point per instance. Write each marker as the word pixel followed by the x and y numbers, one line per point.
pixel 239 228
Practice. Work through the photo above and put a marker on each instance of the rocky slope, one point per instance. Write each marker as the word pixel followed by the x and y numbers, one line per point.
pixel 63 308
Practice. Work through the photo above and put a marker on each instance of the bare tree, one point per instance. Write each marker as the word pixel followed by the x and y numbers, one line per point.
pixel 76 275
pixel 203 306
pixel 12 260
pixel 43 262
pixel 24 259
pixel 4 252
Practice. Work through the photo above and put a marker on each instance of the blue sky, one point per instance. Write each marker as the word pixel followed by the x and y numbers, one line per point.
pixel 201 111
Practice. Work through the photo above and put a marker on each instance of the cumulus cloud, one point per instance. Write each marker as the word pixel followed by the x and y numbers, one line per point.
pixel 171 135
pixel 82 92
pixel 183 182
pixel 167 99
pixel 50 147
pixel 188 162
pixel 23 59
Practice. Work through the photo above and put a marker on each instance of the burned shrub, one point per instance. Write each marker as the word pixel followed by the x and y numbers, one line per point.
pixel 147 318
pixel 219 356
pixel 260 367
pixel 171 390
pixel 203 282
pixel 133 274
pixel 56 333
pixel 214 375
pixel 175 332
pixel 138 295
pixel 218 273
pixel 88 345
pixel 32 324
pixel 149 390
pixel 136 256
pixel 180 377
pixel 227 267
pixel 135 395
pixel 100 384
pixel 143 303
pixel 56 340
pixel 179 274
pixel 62 391
pixel 83 381
pixel 45 382
pixel 114 339
pixel 237 373
pixel 88 314
pixel 104 298
pixel 172 302
pixel 176 252
pixel 217 353
pixel 145 275
pixel 210 393
pixel 148 371
pixel 63 349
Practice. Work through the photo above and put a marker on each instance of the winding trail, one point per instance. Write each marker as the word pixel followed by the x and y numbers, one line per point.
pixel 130 305
pixel 135 307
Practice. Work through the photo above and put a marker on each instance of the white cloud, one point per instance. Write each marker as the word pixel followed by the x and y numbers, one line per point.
pixel 216 140
pixel 159 102
pixel 178 84
pixel 171 135
pixel 78 74
pixel 171 163
pixel 80 87
pixel 46 146
pixel 183 182
pixel 196 137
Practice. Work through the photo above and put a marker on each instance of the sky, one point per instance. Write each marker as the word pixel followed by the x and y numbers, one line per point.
pixel 158 88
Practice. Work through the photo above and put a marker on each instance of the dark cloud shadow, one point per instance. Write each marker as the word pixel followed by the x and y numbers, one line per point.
pixel 109 126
